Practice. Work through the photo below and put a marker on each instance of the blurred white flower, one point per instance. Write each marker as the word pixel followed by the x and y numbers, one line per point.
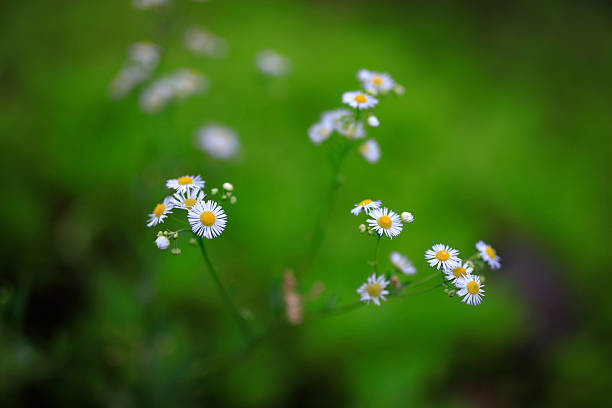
pixel 143 58
pixel 320 131
pixel 350 128
pixel 407 217
pixel 145 53
pixel 373 121
pixel 180 85
pixel 149 4
pixel 488 254
pixel 219 141
pixel 203 42
pixel 375 82
pixel 402 263
pixel 359 100
pixel 187 82
pixel 272 63
pixel 370 151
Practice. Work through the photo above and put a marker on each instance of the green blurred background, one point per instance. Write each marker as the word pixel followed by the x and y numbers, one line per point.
pixel 502 135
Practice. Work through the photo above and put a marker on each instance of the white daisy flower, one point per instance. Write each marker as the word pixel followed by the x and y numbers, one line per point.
pixel 186 82
pixel 488 254
pixel 442 256
pixel 407 217
pixel 157 95
pixel 320 131
pixel 457 271
pixel 367 205
pixel 160 212
pixel 370 151
pixel 162 242
pixel 186 183
pixel 203 42
pixel 374 289
pixel 470 288
pixel 145 53
pixel 207 219
pixel 188 199
pixel 351 129
pixel 272 63
pixel 219 141
pixel 402 263
pixel 375 82
pixel 385 222
pixel 359 100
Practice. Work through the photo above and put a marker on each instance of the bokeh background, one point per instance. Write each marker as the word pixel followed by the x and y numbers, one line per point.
pixel 502 135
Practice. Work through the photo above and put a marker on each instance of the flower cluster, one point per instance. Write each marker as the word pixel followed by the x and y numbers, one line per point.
pixel 203 42
pixel 143 59
pixel 351 123
pixel 180 85
pixel 462 274
pixel 206 218
pixel 380 219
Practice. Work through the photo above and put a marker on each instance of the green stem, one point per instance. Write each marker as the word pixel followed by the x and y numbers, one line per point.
pixel 376 251
pixel 226 297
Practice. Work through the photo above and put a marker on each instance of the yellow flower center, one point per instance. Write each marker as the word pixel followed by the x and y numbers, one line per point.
pixel 473 287
pixel 190 202
pixel 459 271
pixel 491 252
pixel 364 148
pixel 183 181
pixel 374 290
pixel 443 256
pixel 159 210
pixel 365 202
pixel 207 218
pixel 377 80
pixel 360 98
pixel 384 222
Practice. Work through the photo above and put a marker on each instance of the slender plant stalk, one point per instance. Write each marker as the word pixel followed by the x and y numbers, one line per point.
pixel 376 251
pixel 226 297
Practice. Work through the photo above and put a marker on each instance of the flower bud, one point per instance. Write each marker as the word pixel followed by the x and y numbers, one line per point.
pixel 362 228
pixel 400 90
pixel 228 187
pixel 192 241
pixel 162 242
pixel 175 251
pixel 373 121
pixel 451 292
pixel 407 217
pixel 482 279
pixel 233 200
pixel 214 191
pixel 224 196
pixel 395 281
pixel 371 232
pixel 470 263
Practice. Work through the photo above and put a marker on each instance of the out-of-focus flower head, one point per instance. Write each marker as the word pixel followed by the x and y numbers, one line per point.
pixel 272 63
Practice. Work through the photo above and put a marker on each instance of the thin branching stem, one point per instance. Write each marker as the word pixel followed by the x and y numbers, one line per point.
pixel 226 297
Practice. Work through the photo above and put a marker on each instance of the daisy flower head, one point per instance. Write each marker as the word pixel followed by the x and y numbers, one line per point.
pixel 145 53
pixel 160 212
pixel 186 183
pixel 186 82
pixel 366 205
pixel 336 116
pixel 157 95
pixel 457 271
pixel 202 42
pixel 207 219
pixel 219 141
pixel 402 263
pixel 320 131
pixel 487 253
pixel 442 256
pixel 188 199
pixel 370 150
pixel 471 289
pixel 359 100
pixel 374 289
pixel 162 242
pixel 385 222
pixel 375 82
